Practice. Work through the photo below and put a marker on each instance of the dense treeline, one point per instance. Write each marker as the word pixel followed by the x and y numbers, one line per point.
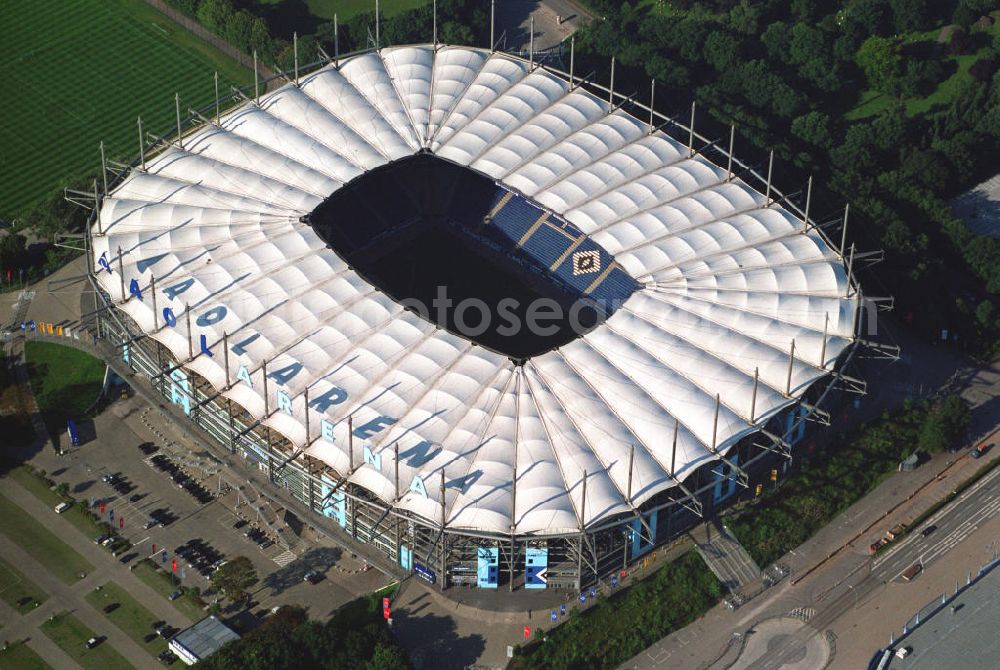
pixel 619 627
pixel 355 638
pixel 788 73
pixel 829 481
pixel 461 22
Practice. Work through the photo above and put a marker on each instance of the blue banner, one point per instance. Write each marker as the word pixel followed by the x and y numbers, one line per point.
pixel 536 563
pixel 488 567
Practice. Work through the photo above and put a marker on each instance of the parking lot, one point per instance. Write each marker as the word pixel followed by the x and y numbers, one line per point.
pixel 180 509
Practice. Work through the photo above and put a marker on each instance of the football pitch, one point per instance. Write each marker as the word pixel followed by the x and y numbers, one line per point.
pixel 82 71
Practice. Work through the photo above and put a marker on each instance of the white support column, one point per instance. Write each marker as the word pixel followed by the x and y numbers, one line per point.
pixel 336 42
pixel 142 146
pixel 177 107
pixel 822 352
pixel 753 396
pixel 121 268
pixel 791 364
pixel 611 89
pixel 715 423
pixel 97 209
pixel 843 231
pixel 572 57
pixel 434 23
pixel 295 50
pixel 225 354
pixel 493 14
pixel 187 314
pixel 809 191
pixel 732 141
pixel 156 316
pixel 256 85
pixel 631 462
pixel 770 170
pixel 691 132
pixel 104 169
pixel 652 98
pixel 531 43
pixel 378 44
pixel 218 114
pixel 673 450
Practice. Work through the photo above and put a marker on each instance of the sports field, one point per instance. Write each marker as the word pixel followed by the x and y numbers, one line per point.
pixel 346 9
pixel 71 635
pixel 79 71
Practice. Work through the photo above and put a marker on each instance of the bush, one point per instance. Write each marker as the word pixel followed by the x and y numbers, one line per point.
pixel 617 628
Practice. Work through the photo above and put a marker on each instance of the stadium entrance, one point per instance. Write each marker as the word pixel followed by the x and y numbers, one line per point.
pixel 475 258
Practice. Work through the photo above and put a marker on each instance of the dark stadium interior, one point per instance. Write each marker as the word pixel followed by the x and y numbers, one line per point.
pixel 421 223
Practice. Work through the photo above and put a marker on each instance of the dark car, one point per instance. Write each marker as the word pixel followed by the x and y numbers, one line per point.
pixel 148 448
pixel 928 530
pixel 111 607
pixel 93 642
pixel 127 557
pixel 313 577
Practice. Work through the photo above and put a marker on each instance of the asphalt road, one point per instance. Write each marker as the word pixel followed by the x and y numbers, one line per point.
pixel 954 522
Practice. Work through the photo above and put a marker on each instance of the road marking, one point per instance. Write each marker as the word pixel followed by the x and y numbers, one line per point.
pixel 284 558
pixel 135 544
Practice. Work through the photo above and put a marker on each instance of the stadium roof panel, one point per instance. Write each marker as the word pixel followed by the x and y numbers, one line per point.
pixel 724 284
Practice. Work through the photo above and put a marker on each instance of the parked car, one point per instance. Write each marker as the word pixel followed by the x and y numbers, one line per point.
pixel 93 642
pixel 175 595
pixel 312 577
pixel 167 657
pixel 100 539
pixel 62 507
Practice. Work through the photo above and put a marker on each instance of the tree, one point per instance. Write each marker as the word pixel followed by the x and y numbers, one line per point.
pixel 722 50
pixel 814 128
pixel 234 577
pixel 13 251
pixel 879 59
pixel 909 15
pixel 944 425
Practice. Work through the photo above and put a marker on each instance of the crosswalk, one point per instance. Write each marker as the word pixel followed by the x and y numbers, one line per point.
pixel 284 558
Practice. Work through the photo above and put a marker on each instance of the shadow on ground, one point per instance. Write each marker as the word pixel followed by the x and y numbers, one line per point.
pixel 433 641
pixel 319 559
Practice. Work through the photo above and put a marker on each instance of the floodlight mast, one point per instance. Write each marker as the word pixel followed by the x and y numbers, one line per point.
pixel 142 146
pixel 256 86
pixel 611 89
pixel 218 117
pixel 732 140
pixel 295 50
pixel 377 46
pixel 336 42
pixel 434 23
pixel 177 107
pixel 531 43
pixel 652 98
pixel 104 169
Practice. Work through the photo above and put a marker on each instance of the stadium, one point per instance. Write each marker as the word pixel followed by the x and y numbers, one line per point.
pixel 278 270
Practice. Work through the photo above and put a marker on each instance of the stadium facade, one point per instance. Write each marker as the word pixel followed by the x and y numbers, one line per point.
pixel 250 263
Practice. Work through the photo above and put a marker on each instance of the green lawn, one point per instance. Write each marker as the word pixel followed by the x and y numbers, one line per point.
pixel 345 9
pixel 17 590
pixel 80 71
pixel 134 620
pixel 19 656
pixel 31 534
pixel 872 102
pixel 71 636
pixel 161 582
pixel 66 382
pixel 76 515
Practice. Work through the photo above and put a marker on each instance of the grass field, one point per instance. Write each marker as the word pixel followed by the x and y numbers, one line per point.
pixel 18 591
pixel 345 9
pixel 872 102
pixel 80 71
pixel 39 487
pixel 66 382
pixel 164 585
pixel 30 533
pixel 134 620
pixel 19 656
pixel 71 636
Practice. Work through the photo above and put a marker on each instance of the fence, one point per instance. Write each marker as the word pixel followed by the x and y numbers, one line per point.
pixel 207 35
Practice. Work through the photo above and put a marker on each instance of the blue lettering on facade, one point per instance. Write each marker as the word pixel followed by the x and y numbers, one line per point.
pixel 144 264
pixel 168 317
pixel 212 316
pixel 334 396
pixel 173 291
pixel 103 262
pixel 285 374
pixel 326 430
pixel 417 486
pixel 204 346
pixel 285 402
pixel 419 454
pixel 244 375
pixel 133 288
pixel 373 459
pixel 240 348
pixel 367 429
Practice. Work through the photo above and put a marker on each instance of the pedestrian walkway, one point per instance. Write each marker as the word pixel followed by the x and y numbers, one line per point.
pixel 726 557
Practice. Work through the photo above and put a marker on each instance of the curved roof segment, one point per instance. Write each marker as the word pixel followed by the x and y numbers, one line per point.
pixel 725 284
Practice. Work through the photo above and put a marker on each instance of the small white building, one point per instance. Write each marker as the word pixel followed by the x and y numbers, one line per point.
pixel 201 640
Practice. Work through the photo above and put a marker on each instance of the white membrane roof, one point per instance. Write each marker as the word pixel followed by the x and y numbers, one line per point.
pixel 726 285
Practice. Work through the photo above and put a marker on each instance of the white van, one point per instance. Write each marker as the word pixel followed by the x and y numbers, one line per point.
pixel 902 652
pixel 62 507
